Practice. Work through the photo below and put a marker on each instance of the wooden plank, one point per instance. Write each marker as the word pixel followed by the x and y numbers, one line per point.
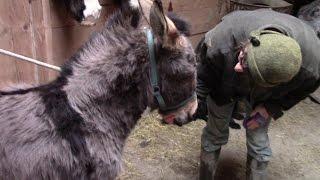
pixel 8 72
pixel 201 14
pixel 201 21
pixel 17 19
pixel 22 44
pixel 24 41
pixel 37 13
pixel 13 12
pixel 40 48
pixel 187 5
pixel 195 39
pixel 40 53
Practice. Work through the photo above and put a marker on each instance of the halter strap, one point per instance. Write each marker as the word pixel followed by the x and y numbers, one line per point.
pixel 154 72
pixel 155 79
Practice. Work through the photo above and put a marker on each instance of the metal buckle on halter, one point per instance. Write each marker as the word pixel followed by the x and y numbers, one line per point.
pixel 156 89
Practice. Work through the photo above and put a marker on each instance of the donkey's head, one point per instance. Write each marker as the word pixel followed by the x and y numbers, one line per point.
pixel 176 67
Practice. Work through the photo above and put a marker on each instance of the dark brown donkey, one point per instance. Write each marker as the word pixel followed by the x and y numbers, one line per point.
pixel 76 126
pixel 83 11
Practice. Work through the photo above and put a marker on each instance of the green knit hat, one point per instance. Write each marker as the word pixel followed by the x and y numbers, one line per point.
pixel 273 58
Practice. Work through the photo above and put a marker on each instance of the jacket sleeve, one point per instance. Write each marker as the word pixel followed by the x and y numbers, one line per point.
pixel 207 73
pixel 203 84
pixel 306 86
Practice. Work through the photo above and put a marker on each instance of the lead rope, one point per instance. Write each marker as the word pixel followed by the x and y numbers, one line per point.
pixel 30 60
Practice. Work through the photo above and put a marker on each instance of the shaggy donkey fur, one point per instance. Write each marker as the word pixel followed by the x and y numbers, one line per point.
pixel 76 126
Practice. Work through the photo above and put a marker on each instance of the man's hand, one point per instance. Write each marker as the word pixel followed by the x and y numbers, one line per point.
pixel 262 110
pixel 258 118
pixel 202 111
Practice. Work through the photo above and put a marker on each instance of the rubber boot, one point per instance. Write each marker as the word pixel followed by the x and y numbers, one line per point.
pixel 256 170
pixel 208 164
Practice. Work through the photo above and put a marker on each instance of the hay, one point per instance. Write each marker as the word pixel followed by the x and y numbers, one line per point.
pixel 157 143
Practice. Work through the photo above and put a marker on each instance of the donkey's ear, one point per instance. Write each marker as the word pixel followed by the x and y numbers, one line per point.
pixel 163 28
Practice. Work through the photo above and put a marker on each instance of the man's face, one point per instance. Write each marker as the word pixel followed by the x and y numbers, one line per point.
pixel 242 64
pixel 243 75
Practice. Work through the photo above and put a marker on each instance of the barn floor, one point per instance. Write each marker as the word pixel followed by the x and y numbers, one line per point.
pixel 155 151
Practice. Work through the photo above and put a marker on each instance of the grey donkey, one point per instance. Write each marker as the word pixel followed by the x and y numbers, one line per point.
pixel 76 126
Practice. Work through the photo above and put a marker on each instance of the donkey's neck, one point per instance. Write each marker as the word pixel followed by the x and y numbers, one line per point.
pixel 109 84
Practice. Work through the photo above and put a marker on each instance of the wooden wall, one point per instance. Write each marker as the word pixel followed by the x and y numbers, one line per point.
pixel 202 14
pixel 42 29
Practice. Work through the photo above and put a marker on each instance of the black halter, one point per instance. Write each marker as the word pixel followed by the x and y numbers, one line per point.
pixel 155 80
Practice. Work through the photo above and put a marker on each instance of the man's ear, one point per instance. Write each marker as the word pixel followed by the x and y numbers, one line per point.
pixel 162 27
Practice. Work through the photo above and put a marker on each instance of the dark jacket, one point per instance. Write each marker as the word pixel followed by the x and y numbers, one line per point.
pixel 217 56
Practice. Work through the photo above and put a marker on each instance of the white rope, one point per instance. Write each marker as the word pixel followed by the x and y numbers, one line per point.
pixel 8 53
